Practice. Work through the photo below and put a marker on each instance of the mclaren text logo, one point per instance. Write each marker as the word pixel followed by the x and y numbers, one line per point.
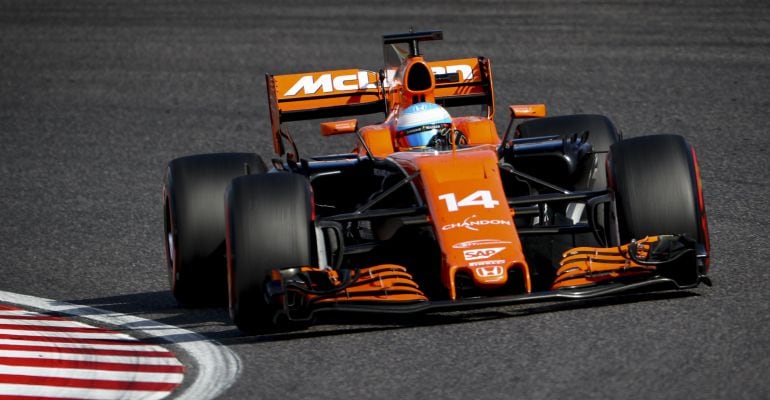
pixel 326 83
pixel 481 254
pixel 480 242
pixel 473 224
pixel 490 272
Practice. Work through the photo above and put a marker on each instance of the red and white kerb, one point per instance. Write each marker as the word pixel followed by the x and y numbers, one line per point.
pixel 48 357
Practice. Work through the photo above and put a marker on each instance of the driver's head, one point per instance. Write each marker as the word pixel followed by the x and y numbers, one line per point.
pixel 421 122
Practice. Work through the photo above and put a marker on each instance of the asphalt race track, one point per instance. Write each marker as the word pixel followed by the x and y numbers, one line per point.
pixel 96 96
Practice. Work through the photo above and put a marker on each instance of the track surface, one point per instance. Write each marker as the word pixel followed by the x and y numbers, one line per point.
pixel 95 97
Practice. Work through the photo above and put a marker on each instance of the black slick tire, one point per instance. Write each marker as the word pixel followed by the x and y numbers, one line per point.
pixel 655 183
pixel 270 228
pixel 194 223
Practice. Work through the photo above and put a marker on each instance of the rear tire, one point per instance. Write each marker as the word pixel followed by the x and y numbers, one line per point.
pixel 656 189
pixel 270 228
pixel 193 204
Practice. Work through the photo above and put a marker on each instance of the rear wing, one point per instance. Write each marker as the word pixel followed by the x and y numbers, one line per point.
pixel 318 95
pixel 340 93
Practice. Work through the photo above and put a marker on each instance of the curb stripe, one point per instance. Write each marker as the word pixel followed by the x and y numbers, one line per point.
pixel 36 321
pixel 79 364
pixel 76 335
pixel 86 383
pixel 93 374
pixel 69 339
pixel 78 345
pixel 145 360
pixel 47 328
pixel 86 350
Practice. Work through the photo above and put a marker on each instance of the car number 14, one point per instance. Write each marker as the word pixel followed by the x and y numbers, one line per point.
pixel 477 198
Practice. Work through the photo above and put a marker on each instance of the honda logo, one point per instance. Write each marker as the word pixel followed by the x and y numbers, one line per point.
pixel 490 272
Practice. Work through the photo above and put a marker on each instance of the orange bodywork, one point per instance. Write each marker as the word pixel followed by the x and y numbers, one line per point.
pixel 472 221
pixel 379 139
pixel 339 127
pixel 528 111
pixel 478 130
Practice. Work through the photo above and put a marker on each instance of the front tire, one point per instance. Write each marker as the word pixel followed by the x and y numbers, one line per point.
pixel 270 228
pixel 656 188
pixel 194 223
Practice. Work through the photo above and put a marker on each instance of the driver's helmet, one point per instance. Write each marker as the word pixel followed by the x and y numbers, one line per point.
pixel 421 122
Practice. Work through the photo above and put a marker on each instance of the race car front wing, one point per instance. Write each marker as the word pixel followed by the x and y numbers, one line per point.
pixel 655 263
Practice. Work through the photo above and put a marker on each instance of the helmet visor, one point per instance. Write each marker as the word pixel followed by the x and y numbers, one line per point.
pixel 420 136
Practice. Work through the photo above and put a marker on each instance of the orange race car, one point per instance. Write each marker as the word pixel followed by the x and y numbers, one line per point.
pixel 428 211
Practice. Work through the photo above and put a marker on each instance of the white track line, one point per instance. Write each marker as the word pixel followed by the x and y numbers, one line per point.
pixel 217 366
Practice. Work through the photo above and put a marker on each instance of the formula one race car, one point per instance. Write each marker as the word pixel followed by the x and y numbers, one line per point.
pixel 430 212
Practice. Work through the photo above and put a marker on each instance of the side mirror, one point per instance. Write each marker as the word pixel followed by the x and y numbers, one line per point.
pixel 339 127
pixel 528 111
